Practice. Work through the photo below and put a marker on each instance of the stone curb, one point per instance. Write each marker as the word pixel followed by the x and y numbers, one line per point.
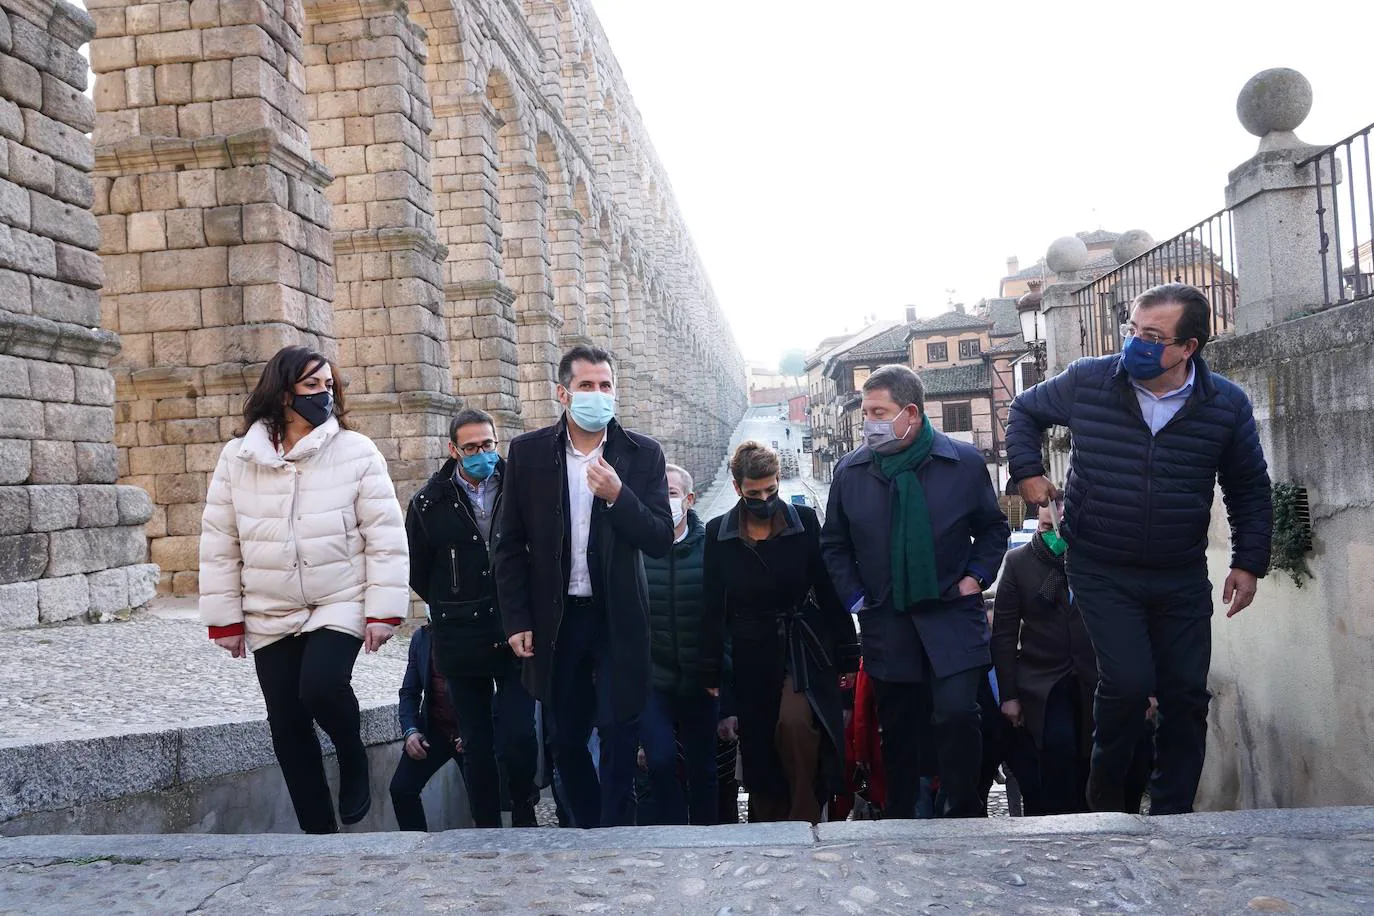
pixel 58 774
pixel 1317 823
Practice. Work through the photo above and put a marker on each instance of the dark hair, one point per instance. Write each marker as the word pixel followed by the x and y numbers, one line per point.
pixel 753 461
pixel 900 383
pixel 593 355
pixel 467 417
pixel 279 377
pixel 1196 321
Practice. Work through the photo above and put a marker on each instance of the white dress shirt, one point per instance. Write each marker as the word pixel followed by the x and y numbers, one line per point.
pixel 1159 409
pixel 580 501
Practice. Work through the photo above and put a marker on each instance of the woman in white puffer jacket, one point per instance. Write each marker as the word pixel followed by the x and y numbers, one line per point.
pixel 303 561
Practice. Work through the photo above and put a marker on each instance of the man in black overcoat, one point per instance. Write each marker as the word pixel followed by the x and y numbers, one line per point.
pixel 583 499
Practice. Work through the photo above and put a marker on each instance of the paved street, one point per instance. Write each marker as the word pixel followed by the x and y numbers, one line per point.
pixel 767 425
pixel 1314 861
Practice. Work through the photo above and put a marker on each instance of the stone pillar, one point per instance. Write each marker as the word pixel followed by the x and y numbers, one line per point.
pixel 214 235
pixel 627 405
pixel 598 286
pixel 524 196
pixel 71 541
pixel 569 276
pixel 1274 206
pixel 481 312
pixel 369 121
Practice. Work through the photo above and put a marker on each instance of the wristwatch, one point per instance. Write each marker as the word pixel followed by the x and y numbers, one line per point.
pixel 982 583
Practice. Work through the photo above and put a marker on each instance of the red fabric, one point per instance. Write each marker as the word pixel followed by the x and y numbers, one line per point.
pixel 391 621
pixel 234 629
pixel 863 741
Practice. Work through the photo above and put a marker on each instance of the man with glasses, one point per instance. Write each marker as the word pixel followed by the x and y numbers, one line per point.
pixel 449 527
pixel 1153 430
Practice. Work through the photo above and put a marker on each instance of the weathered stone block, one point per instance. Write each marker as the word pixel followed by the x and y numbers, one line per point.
pixel 15 378
pixel 53 462
pixel 135 505
pixel 109 591
pixel 52 508
pixel 29 253
pixel 68 105
pixel 29 167
pixel 172 310
pixel 99 506
pixel 97 462
pixel 20 82
pixel 266 262
pixel 179 488
pixel 224 226
pixel 48 53
pixel 82 550
pixel 177 553
pixel 169 270
pixel 50 381
pixel 143 579
pixel 16 291
pixel 62 598
pixel 20 419
pixel 170 47
pixel 69 302
pixel 14 203
pixel 23 557
pixel 73 186
pixel 64 222
pixel 63 143
pixel 18 605
pixel 147 232
pixel 81 268
pixel 183 520
pixel 14 510
pixel 185 228
pixel 109 55
pixel 78 422
pixel 16 456
pixel 11 124
pixel 92 386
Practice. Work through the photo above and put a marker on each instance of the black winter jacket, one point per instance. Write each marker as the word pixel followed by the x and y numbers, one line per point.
pixel 1135 499
pixel 675 613
pixel 450 569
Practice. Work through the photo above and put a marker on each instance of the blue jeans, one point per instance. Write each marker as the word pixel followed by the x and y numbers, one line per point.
pixel 695 718
pixel 594 795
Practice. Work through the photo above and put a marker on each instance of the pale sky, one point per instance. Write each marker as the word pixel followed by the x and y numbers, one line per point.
pixel 841 159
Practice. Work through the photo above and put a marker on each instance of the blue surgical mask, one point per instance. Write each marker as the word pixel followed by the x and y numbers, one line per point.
pixel 480 465
pixel 1142 359
pixel 592 410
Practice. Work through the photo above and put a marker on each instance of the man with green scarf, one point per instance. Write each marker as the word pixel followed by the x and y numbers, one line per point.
pixel 913 536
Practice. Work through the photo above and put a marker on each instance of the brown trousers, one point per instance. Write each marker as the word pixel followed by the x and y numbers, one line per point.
pixel 798 741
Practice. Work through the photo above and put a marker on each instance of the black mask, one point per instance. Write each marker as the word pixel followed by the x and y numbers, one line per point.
pixel 763 508
pixel 314 409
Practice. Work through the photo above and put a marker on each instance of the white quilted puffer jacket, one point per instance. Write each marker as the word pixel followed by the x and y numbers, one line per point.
pixel 295 543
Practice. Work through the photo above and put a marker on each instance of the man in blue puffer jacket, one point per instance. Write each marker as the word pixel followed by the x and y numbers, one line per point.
pixel 1152 431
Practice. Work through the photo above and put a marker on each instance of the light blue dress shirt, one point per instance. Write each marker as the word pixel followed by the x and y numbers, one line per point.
pixel 1159 409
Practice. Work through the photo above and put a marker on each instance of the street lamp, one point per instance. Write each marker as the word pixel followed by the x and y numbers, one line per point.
pixel 1033 323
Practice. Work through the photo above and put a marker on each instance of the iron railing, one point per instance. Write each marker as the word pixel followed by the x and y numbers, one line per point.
pixel 1345 218
pixel 1203 255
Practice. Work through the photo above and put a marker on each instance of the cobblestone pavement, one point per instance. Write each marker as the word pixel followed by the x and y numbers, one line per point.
pixel 1204 866
pixel 148 674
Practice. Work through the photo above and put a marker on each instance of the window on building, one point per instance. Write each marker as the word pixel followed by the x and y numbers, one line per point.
pixel 957 417
pixel 1031 374
pixel 969 349
pixel 861 376
pixel 937 352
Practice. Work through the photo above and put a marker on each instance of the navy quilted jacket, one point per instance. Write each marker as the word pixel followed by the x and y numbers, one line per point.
pixel 1141 500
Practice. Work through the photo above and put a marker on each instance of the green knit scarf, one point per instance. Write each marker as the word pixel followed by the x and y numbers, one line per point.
pixel 913 545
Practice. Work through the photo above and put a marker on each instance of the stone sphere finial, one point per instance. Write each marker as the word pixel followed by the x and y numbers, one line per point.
pixel 1274 102
pixel 1067 255
pixel 1131 245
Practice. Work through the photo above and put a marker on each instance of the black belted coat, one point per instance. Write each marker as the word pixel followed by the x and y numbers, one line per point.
pixel 775 599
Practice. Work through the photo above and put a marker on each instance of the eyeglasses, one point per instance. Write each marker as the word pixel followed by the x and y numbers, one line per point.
pixel 486 445
pixel 1128 331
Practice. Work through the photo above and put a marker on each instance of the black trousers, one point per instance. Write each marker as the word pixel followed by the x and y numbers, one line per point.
pixel 307 679
pixel 937 717
pixel 410 779
pixel 1152 630
pixel 496 723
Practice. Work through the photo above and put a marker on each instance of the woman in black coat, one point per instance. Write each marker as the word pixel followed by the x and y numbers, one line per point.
pixel 765 581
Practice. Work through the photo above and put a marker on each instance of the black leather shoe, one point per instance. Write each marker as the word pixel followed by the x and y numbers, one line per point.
pixel 522 815
pixel 355 792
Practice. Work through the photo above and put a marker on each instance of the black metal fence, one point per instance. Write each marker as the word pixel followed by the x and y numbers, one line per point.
pixel 1345 217
pixel 1203 255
